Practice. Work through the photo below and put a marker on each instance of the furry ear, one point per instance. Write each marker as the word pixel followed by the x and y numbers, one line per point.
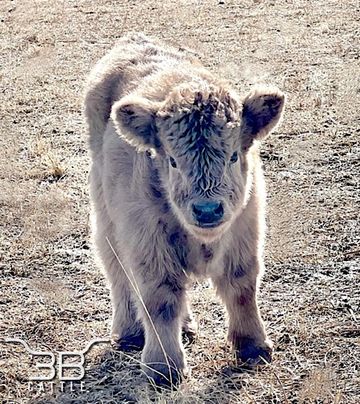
pixel 134 119
pixel 262 110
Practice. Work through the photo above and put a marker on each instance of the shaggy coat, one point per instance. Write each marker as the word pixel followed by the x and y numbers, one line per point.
pixel 177 191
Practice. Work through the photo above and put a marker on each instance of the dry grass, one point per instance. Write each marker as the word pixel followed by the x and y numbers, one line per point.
pixel 53 296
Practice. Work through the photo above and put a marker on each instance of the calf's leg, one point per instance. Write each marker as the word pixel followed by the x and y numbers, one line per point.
pixel 238 289
pixel 126 331
pixel 161 310
pixel 189 324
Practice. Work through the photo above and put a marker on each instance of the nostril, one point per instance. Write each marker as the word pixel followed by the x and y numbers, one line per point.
pixel 219 210
pixel 196 210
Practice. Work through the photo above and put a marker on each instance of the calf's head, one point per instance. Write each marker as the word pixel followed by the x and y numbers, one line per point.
pixel 204 138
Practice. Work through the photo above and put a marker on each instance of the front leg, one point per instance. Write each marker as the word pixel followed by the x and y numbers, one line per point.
pixel 162 308
pixel 238 289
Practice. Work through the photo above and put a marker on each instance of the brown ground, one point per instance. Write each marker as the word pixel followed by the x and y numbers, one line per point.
pixel 51 292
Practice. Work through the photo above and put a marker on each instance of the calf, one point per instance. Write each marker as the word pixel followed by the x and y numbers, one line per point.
pixel 178 191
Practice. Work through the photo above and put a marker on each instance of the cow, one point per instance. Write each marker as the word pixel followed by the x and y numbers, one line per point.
pixel 177 192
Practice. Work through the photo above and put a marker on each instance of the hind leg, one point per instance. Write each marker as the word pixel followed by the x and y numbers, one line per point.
pixel 189 325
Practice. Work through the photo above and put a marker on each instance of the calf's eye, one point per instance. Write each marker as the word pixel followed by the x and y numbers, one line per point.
pixel 234 158
pixel 172 162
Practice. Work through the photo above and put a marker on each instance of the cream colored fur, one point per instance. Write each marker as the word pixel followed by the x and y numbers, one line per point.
pixel 134 96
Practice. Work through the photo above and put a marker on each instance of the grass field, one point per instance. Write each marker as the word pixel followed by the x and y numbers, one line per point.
pixel 51 292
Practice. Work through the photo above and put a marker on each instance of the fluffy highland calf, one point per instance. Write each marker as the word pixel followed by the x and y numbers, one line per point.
pixel 178 191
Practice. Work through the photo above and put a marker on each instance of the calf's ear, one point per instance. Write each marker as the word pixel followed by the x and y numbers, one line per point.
pixel 262 110
pixel 134 119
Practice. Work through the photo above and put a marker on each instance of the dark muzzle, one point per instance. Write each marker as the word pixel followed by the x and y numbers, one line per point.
pixel 208 213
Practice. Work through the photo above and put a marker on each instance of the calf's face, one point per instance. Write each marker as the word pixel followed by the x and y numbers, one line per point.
pixel 204 140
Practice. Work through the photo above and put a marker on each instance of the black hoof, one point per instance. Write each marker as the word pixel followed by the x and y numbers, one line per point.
pixel 189 332
pixel 130 343
pixel 160 376
pixel 251 354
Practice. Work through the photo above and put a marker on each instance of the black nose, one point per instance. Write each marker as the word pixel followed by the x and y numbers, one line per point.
pixel 208 213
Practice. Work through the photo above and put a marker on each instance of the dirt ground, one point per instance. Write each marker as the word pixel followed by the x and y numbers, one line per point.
pixel 52 294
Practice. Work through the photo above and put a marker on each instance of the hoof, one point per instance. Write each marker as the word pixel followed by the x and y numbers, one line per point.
pixel 160 376
pixel 129 343
pixel 189 330
pixel 250 354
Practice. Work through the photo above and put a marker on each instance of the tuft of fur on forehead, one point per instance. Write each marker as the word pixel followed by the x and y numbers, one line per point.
pixel 211 101
pixel 196 124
